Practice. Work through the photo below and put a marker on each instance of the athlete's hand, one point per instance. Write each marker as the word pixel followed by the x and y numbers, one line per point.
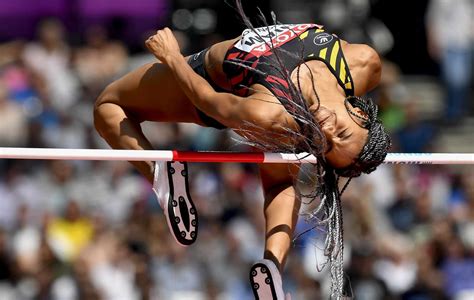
pixel 163 45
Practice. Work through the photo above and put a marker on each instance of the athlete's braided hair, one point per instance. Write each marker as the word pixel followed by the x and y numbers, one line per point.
pixel 378 141
pixel 310 138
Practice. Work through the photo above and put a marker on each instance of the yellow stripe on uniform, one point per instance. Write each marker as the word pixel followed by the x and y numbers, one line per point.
pixel 335 51
pixel 304 35
pixel 342 73
pixel 348 85
pixel 322 53
pixel 319 30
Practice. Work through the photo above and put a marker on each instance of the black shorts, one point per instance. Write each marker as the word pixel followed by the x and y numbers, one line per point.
pixel 196 61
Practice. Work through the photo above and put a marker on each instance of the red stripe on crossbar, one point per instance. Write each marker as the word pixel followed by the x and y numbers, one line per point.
pixel 250 157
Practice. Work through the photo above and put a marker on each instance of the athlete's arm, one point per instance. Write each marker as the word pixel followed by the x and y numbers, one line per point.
pixel 229 109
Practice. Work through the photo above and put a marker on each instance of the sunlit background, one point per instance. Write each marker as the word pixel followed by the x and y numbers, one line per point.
pixel 93 230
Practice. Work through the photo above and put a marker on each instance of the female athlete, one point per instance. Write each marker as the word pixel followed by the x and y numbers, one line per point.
pixel 285 88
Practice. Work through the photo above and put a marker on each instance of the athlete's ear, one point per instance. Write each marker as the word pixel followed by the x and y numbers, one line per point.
pixel 359 116
pixel 361 113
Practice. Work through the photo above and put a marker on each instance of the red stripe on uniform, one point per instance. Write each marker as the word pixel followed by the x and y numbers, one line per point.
pixel 271 78
pixel 232 55
pixel 237 79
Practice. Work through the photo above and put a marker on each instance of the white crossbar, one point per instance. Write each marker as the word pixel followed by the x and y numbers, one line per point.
pixel 252 157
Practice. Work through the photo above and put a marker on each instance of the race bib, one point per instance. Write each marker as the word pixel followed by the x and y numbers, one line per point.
pixel 260 40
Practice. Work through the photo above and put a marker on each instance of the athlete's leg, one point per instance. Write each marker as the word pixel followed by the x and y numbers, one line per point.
pixel 281 213
pixel 148 93
pixel 281 210
pixel 123 132
pixel 151 93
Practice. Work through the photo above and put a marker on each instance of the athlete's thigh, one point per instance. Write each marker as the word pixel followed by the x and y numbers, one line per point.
pixel 152 93
pixel 276 178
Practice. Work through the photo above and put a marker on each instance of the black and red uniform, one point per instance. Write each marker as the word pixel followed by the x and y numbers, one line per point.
pixel 262 54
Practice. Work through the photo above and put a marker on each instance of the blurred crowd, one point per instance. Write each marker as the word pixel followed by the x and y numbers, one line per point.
pixel 93 230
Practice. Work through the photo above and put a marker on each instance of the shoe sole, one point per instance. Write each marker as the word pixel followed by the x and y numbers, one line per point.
pixel 262 282
pixel 180 212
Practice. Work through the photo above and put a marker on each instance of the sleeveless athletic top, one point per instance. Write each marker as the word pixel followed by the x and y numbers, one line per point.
pixel 252 59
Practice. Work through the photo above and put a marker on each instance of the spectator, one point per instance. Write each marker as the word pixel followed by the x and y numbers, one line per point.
pixel 100 59
pixel 26 243
pixel 110 267
pixel 13 122
pixel 450 28
pixel 68 235
pixel 7 268
pixel 364 283
pixel 50 56
pixel 458 271
pixel 416 135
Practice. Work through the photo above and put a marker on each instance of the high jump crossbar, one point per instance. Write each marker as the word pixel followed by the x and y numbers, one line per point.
pixel 190 156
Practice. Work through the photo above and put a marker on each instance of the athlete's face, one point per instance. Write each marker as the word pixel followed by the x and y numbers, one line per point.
pixel 344 134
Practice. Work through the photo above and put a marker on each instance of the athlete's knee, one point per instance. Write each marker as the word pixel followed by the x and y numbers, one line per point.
pixel 101 120
pixel 108 95
pixel 106 111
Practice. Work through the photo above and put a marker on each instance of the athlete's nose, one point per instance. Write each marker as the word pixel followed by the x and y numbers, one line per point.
pixel 329 145
pixel 327 122
pixel 329 133
pixel 328 126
